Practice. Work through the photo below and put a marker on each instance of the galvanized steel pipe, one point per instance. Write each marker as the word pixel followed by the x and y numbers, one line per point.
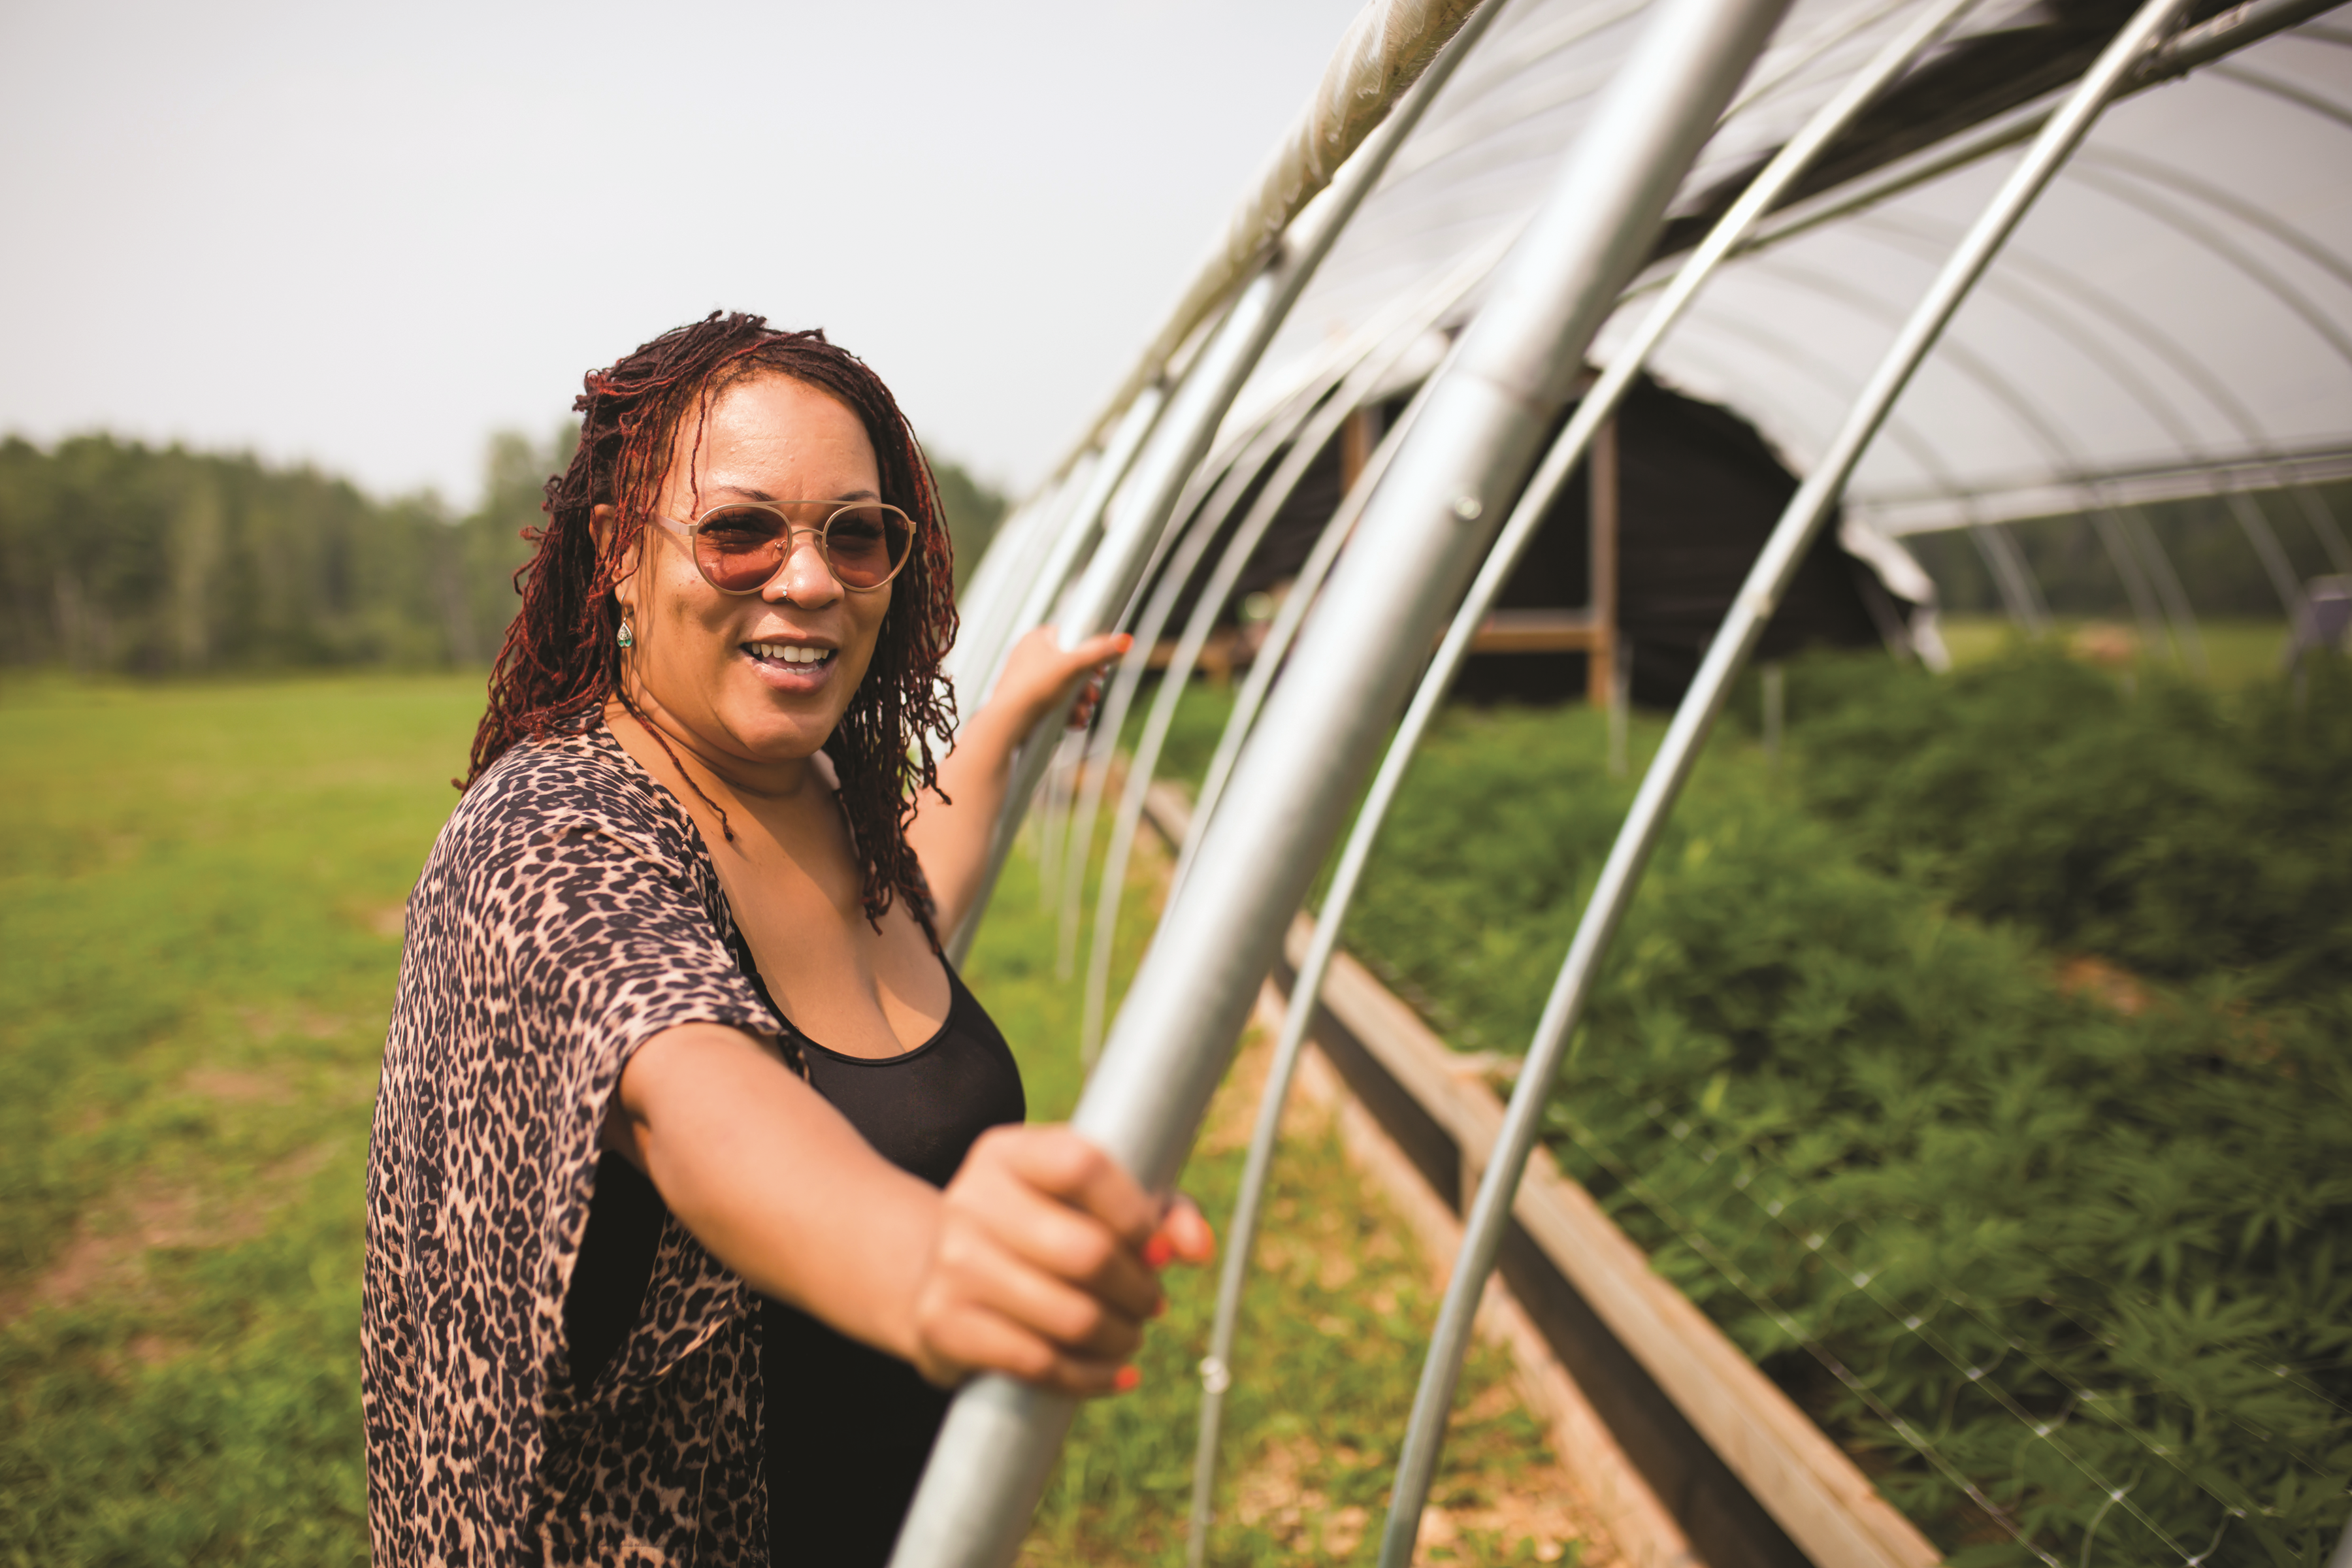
pixel 1783 552
pixel 1416 548
pixel 1597 407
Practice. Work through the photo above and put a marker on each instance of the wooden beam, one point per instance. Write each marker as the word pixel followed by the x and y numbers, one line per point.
pixel 1644 1533
pixel 1538 631
pixel 1359 434
pixel 1601 513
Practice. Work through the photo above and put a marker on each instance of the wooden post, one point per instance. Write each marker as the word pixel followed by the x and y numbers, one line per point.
pixel 1601 512
pixel 1359 434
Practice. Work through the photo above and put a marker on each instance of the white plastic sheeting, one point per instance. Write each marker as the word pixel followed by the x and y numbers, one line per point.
pixel 1383 53
pixel 2181 303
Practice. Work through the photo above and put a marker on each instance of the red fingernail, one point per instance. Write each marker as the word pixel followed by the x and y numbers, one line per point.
pixel 1128 1379
pixel 1158 1251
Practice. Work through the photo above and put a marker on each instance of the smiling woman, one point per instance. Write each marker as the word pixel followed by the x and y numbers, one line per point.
pixel 652 1272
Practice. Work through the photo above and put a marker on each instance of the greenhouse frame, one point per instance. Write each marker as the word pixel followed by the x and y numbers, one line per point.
pixel 1955 263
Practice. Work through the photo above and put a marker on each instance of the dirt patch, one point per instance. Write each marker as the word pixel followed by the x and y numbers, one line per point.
pixel 270 1023
pixel 1283 1494
pixel 107 1253
pixel 231 1087
pixel 111 1245
pixel 1522 1503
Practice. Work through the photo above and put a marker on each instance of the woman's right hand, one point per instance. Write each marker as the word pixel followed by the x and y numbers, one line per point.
pixel 1044 1264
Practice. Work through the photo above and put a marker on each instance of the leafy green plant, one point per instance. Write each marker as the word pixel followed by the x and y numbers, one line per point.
pixel 2180 833
pixel 2021 1252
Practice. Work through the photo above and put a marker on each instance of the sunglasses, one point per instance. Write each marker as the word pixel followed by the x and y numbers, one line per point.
pixel 740 547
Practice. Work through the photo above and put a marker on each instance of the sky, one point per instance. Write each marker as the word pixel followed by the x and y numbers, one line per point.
pixel 366 237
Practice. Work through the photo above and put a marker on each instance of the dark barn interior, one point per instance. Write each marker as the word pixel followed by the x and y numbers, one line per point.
pixel 1687 492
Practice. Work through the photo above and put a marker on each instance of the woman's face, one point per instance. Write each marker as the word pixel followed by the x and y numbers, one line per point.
pixel 732 669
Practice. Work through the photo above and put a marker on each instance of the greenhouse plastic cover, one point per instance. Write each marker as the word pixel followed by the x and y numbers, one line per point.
pixel 2175 314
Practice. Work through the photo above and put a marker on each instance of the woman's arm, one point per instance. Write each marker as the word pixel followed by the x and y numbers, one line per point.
pixel 952 839
pixel 1038 1260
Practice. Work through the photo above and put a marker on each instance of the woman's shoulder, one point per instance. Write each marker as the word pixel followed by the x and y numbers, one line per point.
pixel 574 781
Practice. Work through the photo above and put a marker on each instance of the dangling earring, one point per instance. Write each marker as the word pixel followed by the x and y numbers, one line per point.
pixel 626 638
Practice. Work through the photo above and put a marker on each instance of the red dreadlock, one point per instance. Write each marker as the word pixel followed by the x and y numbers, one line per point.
pixel 561 662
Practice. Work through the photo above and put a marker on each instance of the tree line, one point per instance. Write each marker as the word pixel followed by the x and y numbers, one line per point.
pixel 121 557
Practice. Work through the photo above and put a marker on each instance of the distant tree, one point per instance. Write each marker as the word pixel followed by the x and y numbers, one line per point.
pixel 115 555
pixel 119 557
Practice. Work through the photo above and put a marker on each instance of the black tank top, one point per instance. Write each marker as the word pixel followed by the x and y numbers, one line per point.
pixel 848 1428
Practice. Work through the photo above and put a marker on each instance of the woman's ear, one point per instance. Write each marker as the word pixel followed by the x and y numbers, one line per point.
pixel 601 525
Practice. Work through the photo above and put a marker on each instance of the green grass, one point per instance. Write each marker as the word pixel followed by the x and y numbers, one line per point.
pixel 195 967
pixel 199 888
pixel 2237 652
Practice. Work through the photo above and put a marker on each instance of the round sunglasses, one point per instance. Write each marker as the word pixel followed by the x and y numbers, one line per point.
pixel 740 546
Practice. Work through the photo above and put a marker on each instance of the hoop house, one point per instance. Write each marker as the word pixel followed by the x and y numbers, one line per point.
pixel 1943 263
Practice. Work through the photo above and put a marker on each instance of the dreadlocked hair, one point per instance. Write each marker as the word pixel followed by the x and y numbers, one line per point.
pixel 561 660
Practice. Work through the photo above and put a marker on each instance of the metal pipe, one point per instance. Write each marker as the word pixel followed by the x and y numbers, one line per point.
pixel 2019 591
pixel 2248 517
pixel 1311 438
pixel 1209 386
pixel 985 579
pixel 1783 553
pixel 2310 248
pixel 2021 595
pixel 1139 492
pixel 2176 608
pixel 1485 415
pixel 2302 98
pixel 1077 533
pixel 2128 570
pixel 1364 377
pixel 2191 369
pixel 1183 560
pixel 2143 391
pixel 2237 27
pixel 1010 564
pixel 1764 84
pixel 2040 426
pixel 1284 629
pixel 1248 454
pixel 1386 50
pixel 1592 413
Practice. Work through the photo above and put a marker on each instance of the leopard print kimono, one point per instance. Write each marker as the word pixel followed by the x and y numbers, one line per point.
pixel 569 911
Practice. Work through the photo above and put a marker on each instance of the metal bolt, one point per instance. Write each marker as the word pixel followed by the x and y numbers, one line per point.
pixel 1467 508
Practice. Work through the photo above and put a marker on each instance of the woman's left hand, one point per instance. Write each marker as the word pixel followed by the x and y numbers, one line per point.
pixel 1044 1265
pixel 951 826
pixel 1040 673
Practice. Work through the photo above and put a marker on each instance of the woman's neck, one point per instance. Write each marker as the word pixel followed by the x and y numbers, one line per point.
pixel 749 780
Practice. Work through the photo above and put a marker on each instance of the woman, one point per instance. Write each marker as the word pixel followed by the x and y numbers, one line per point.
pixel 684 1204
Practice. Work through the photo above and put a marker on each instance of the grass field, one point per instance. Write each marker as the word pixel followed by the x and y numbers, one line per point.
pixel 2235 651
pixel 200 888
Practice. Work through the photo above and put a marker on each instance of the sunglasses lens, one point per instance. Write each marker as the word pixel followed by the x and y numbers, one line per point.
pixel 865 545
pixel 739 549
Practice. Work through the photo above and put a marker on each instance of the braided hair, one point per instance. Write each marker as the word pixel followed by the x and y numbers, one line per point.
pixel 561 660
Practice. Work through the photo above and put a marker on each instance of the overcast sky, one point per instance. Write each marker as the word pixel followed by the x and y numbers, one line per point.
pixel 369 237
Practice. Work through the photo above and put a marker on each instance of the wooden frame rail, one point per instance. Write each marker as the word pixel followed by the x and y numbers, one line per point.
pixel 1592 630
